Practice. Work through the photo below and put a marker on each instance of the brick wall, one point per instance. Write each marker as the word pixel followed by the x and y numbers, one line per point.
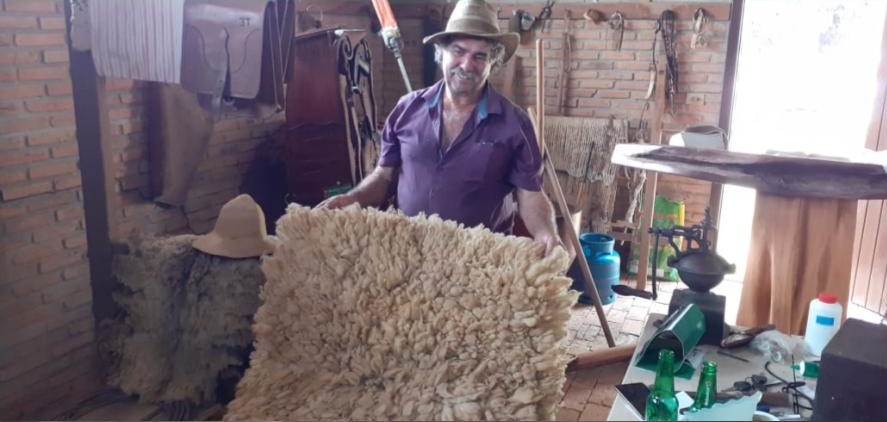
pixel 47 351
pixel 47 355
pixel 604 82
pixel 217 179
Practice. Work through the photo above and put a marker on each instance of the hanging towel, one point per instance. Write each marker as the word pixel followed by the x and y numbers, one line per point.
pixel 137 39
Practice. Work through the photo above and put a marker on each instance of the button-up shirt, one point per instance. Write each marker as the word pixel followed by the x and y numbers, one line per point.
pixel 472 181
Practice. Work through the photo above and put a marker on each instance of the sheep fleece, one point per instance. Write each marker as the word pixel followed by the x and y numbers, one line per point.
pixel 372 315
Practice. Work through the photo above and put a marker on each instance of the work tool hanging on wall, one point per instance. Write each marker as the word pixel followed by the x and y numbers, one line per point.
pixel 617 30
pixel 391 37
pixel 666 26
pixel 544 17
pixel 563 78
pixel 699 21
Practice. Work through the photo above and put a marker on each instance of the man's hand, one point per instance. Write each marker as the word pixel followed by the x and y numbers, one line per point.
pixel 338 201
pixel 548 243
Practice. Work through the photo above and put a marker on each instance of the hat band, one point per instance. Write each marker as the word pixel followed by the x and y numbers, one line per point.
pixel 472 25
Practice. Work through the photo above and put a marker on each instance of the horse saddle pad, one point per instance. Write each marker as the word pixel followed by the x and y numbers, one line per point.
pixel 235 48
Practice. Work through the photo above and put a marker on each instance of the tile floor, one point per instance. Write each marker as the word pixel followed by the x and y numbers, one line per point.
pixel 589 393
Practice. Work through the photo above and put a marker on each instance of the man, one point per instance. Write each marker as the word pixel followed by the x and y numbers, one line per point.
pixel 459 149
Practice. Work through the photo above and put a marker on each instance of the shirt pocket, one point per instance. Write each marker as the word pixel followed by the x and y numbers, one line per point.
pixel 491 160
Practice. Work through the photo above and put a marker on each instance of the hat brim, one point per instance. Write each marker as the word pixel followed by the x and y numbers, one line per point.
pixel 509 39
pixel 214 244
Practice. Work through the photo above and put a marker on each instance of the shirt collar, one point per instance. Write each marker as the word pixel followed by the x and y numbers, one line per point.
pixel 490 100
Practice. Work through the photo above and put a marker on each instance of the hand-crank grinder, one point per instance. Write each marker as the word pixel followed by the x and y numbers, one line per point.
pixel 701 269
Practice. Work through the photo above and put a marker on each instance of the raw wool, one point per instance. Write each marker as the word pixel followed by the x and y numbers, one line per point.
pixel 580 149
pixel 371 315
pixel 187 319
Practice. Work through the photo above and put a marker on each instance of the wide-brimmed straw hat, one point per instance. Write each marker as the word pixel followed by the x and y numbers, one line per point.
pixel 239 231
pixel 476 18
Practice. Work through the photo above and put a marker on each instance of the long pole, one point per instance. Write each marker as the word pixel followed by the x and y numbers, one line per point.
pixel 391 36
pixel 538 119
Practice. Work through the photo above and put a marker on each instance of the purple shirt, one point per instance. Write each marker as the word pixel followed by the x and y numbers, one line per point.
pixel 472 182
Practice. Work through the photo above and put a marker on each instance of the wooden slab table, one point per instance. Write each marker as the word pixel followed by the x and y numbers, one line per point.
pixel 803 227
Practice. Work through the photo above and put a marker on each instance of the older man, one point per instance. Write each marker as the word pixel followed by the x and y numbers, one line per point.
pixel 459 149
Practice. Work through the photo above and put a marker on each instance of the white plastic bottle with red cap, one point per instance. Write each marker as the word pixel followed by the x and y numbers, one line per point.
pixel 823 321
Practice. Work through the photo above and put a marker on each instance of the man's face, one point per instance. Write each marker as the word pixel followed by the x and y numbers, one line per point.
pixel 466 65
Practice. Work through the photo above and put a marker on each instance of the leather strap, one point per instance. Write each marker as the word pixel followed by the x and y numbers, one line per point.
pixel 666 26
pixel 563 78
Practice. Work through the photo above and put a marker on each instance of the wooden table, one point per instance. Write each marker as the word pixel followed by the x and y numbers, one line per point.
pixel 803 228
pixel 729 371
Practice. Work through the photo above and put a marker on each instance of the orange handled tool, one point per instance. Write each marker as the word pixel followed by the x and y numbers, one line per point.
pixel 391 36
pixel 383 11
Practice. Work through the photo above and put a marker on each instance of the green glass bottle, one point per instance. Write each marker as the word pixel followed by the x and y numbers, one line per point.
pixel 707 391
pixel 662 405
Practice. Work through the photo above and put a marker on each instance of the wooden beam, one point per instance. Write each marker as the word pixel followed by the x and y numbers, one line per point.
pixel 726 113
pixel 420 10
pixel 785 175
pixel 94 143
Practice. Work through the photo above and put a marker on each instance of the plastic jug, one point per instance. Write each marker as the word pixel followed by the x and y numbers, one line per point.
pixel 823 321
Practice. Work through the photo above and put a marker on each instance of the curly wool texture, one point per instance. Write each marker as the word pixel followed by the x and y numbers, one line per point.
pixel 188 317
pixel 374 315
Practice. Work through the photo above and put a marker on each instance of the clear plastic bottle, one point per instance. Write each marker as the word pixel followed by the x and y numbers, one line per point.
pixel 823 321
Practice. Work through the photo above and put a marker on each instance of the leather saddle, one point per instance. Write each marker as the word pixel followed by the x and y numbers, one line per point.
pixel 236 52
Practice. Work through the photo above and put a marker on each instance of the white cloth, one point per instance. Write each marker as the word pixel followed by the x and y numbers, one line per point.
pixel 137 39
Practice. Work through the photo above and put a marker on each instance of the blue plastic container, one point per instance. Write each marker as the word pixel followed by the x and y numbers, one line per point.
pixel 604 264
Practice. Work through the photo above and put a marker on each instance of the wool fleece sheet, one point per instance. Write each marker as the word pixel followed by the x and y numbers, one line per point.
pixel 373 315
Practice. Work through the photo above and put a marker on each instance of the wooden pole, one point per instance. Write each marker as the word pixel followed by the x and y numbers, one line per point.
pixel 537 118
pixel 540 97
pixel 596 358
pixel 650 183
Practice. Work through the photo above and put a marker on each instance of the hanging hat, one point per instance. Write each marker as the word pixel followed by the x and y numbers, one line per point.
pixel 239 231
pixel 476 18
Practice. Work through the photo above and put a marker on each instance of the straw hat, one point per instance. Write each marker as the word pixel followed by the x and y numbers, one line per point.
pixel 477 18
pixel 239 231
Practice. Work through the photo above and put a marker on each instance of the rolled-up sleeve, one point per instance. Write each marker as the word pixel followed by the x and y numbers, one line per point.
pixel 526 170
pixel 389 156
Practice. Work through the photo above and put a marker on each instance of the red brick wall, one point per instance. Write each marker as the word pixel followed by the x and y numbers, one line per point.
pixel 47 353
pixel 604 82
pixel 217 178
pixel 47 350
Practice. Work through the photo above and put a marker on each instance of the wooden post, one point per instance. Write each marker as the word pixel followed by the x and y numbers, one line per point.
pixel 650 183
pixel 96 169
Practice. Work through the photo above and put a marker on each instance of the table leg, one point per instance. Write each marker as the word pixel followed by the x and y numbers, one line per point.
pixel 799 248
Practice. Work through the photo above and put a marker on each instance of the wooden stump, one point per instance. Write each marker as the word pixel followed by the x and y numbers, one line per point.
pixel 799 248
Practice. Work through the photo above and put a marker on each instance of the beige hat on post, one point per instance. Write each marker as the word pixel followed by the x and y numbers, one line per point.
pixel 476 18
pixel 239 231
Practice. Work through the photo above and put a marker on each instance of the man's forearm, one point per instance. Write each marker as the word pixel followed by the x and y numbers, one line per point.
pixel 537 213
pixel 373 189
